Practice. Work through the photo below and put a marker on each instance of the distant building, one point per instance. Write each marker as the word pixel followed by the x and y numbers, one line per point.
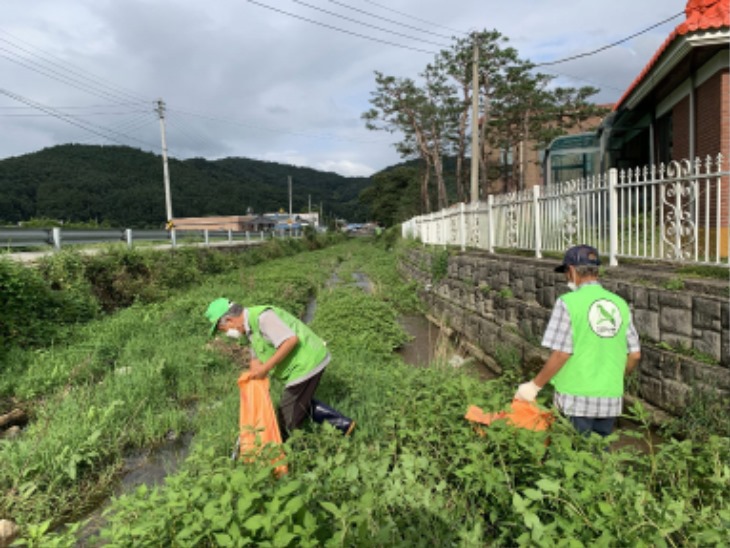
pixel 236 223
pixel 297 221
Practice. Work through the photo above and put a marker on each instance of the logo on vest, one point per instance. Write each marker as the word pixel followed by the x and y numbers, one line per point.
pixel 604 318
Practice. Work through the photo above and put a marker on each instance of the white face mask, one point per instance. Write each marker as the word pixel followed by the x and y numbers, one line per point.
pixel 234 333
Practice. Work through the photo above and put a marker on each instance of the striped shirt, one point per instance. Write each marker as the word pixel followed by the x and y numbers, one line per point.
pixel 559 336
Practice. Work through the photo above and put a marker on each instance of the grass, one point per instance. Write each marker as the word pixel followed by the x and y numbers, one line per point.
pixel 414 473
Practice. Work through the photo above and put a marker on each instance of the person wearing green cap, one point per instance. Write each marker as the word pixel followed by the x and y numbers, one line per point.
pixel 281 345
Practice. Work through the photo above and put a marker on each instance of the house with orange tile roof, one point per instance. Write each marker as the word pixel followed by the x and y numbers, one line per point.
pixel 676 111
pixel 677 108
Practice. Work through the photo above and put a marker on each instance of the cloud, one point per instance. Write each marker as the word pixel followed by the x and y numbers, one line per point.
pixel 242 80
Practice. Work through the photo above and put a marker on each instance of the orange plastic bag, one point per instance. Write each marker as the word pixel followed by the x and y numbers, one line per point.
pixel 522 414
pixel 257 420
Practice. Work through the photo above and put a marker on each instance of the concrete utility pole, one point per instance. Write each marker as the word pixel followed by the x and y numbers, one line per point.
pixel 165 170
pixel 475 124
pixel 290 211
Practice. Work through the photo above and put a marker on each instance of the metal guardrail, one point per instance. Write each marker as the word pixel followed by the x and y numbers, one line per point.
pixel 58 238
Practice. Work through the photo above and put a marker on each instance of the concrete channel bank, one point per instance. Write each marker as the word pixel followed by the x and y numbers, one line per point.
pixel 492 303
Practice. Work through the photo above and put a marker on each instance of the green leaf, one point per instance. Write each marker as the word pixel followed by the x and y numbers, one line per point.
pixel 519 503
pixel 533 494
pixel 331 508
pixel 293 506
pixel 254 523
pixel 210 511
pixel 283 538
pixel 222 539
pixel 549 486
pixel 531 520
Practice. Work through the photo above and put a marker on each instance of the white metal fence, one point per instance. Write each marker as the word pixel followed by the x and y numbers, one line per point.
pixel 678 212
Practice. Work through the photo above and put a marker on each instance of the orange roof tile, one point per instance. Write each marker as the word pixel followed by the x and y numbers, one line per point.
pixel 701 15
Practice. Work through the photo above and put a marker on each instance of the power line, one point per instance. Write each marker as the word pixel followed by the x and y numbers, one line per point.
pixel 390 20
pixel 613 44
pixel 332 27
pixel 414 18
pixel 48 59
pixel 55 75
pixel 375 27
pixel 96 130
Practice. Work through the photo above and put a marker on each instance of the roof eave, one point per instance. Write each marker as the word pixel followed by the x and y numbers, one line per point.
pixel 673 55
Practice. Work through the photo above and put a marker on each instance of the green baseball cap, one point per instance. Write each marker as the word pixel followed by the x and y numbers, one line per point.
pixel 216 310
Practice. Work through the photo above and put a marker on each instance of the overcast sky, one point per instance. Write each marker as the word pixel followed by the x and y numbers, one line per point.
pixel 275 79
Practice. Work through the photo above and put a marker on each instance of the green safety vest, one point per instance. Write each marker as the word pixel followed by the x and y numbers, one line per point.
pixel 599 320
pixel 307 355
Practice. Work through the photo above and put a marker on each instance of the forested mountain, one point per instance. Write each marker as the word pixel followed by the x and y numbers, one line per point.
pixel 124 187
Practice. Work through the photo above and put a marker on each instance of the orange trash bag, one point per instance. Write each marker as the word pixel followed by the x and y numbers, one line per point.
pixel 257 420
pixel 522 414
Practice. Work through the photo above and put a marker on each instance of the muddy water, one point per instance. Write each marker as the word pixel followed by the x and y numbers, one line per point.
pixel 430 345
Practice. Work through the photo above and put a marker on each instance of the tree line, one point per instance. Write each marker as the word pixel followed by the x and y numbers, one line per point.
pixel 123 186
pixel 517 106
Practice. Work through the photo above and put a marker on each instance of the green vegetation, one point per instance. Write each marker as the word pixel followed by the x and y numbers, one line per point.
pixel 121 186
pixel 506 293
pixel 414 473
pixel 439 263
pixel 674 284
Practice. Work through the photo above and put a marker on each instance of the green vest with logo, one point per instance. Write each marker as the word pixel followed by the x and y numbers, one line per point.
pixel 599 320
pixel 307 355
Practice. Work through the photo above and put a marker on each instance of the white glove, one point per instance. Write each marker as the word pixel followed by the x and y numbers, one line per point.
pixel 527 391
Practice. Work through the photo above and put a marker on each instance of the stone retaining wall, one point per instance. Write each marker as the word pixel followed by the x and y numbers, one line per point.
pixel 493 302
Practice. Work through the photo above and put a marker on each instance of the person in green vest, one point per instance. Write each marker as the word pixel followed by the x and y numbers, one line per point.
pixel 287 349
pixel 594 346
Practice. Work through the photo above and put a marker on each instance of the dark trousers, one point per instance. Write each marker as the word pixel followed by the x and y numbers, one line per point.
pixel 294 404
pixel 586 425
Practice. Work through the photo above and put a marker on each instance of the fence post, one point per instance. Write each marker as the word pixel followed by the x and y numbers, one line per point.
pixel 173 237
pixel 248 236
pixel 462 227
pixel 230 236
pixel 128 237
pixel 262 235
pixel 490 223
pixel 56 238
pixel 206 237
pixel 537 218
pixel 613 216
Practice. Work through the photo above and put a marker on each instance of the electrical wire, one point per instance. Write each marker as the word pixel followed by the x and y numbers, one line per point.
pixel 415 18
pixel 611 45
pixel 368 25
pixel 332 27
pixel 48 59
pixel 381 18
pixel 91 128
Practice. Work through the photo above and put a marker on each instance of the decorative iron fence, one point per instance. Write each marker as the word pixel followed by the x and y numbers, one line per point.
pixel 678 212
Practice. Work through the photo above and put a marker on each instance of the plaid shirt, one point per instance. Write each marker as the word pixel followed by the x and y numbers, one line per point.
pixel 559 336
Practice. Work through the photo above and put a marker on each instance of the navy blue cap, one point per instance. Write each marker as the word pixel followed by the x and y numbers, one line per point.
pixel 578 256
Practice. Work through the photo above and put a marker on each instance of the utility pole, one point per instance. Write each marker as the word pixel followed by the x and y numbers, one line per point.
pixel 475 124
pixel 290 211
pixel 165 171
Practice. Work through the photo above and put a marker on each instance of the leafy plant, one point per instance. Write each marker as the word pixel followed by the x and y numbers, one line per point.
pixel 439 264
pixel 674 284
